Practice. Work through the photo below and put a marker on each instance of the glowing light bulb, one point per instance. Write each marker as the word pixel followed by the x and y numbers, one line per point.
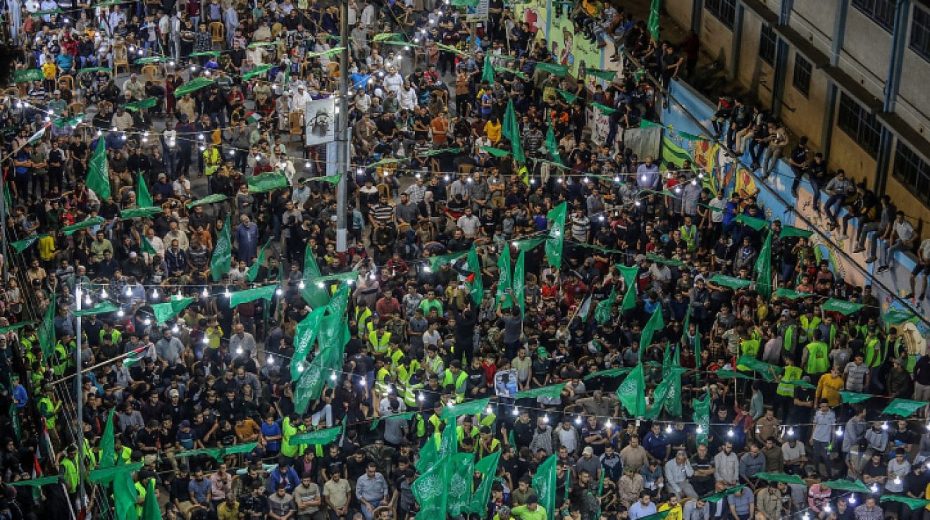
pixel 616 178
pixel 146 322
pixel 586 180
pixel 128 291
pixel 874 488
pixel 668 428
pixel 559 180
pixel 155 293
pixel 421 397
pixel 446 177
pixel 609 424
pixel 87 300
pixel 226 293
pixel 205 293
pixel 790 432
pixel 730 432
pixel 320 285
pixel 301 367
pixel 851 499
pixel 279 291
pixel 205 340
pixel 699 429
pixel 427 269
pixel 546 419
pixel 897 481
pixel 307 164
pixel 806 516
pixel 175 329
pixel 301 285
pixel 515 411
pixel 120 313
pixel 637 203
pixel 578 420
pixel 171 63
pixel 193 68
pixel 644 178
pixel 601 218
pixel 677 189
pixel 269 360
pixel 239 351
pixel 885 426
pixel 488 410
pixel 839 431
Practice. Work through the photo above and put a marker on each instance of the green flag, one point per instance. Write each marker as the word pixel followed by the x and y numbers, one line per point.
pixel 137 106
pixel 655 323
pixel 101 308
pixel 113 472
pixel 487 466
pixel 428 455
pixel 569 97
pixel 606 110
pixel 911 503
pixel 98 171
pixel 780 477
pixel 107 449
pixel 257 71
pixel 903 407
pixel 473 407
pixel 763 268
pixel 317 437
pixel 265 292
pixel 552 146
pixel 21 245
pixel 143 197
pixel 632 392
pixel 653 23
pixel 552 68
pixel 730 282
pixel 209 199
pixel 84 224
pixel 504 281
pixel 487 70
pixel 791 231
pixel 496 152
pixel 145 212
pixel 556 218
pixel 252 273
pixel 606 75
pixel 519 281
pixel 150 509
pixel 510 128
pixel 164 312
pixel 221 261
pixel 767 371
pixel 854 397
pixel 602 312
pixel 267 182
pixel 610 372
pixel 853 486
pixel 843 307
pixel 755 223
pixel 720 495
pixel 551 392
pixel 461 478
pixel 125 496
pixel 16 326
pixel 701 417
pixel 313 293
pixel 544 482
pixel 431 490
pixel 789 294
pixel 52 479
pixel 476 283
pixel 304 335
pixel 46 330
pixel 192 86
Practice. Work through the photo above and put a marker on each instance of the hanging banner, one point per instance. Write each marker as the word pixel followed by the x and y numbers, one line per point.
pixel 569 44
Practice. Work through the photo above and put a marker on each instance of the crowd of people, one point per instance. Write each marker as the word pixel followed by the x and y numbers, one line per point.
pixel 435 175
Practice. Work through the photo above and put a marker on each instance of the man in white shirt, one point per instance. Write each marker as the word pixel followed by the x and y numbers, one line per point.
pixel 900 238
pixel 469 224
pixel 922 268
pixel 647 174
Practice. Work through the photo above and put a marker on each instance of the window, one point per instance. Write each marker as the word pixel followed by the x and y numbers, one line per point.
pixel 767 42
pixel 723 10
pixel 859 124
pixel 801 79
pixel 920 33
pixel 911 170
pixel 879 11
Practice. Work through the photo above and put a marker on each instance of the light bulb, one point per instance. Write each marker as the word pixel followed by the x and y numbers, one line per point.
pixel 445 178
pixel 609 424
pixel 171 63
pixel 677 189
pixel 320 285
pixel 155 293
pixel 515 411
pixel 637 203
pixel 421 397
pixel 851 499
pixel 226 293
pixel 193 68
pixel 301 285
pixel 488 410
pixel 175 329
pixel 559 180
pixel 363 382
pixel 693 182
pixel 730 432
pixel 586 180
pixel 827 508
pixel 897 481
pixel 699 429
pixel 546 419
pixel 644 178
pixel 839 432
pixel 616 178
pixel 232 153
pixel 668 428
pixel 427 269
pixel 120 313
pixel 87 300
pixel 790 431
pixel 874 488
pixel 123 137
pixel 301 367
pixel 205 292
pixel 601 218
pixel 205 340
pixel 806 516
pixel 239 351
pixel 532 181
pixel 307 164
pixel 885 426
pixel 269 360
pixel 202 148
pixel 146 322
pixel 278 291
pixel 578 420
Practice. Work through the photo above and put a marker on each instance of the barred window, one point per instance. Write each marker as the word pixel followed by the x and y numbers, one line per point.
pixel 859 124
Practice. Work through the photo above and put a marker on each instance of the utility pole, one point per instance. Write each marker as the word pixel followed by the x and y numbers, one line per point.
pixel 79 399
pixel 342 130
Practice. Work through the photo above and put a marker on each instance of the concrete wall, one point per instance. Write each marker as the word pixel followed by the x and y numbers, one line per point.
pixel 914 94
pixel 804 115
pixel 715 37
pixel 866 48
pixel 914 208
pixel 754 73
pixel 846 154
pixel 680 13
pixel 814 21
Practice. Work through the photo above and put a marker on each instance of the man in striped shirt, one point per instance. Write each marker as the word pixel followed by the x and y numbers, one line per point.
pixel 382 213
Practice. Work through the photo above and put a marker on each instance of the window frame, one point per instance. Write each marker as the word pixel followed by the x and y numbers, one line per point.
pixel 918 170
pixel 873 10
pixel 861 126
pixel 768 42
pixel 723 10
pixel 801 62
pixel 921 48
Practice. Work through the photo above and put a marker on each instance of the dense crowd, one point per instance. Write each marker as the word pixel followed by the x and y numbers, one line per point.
pixel 435 179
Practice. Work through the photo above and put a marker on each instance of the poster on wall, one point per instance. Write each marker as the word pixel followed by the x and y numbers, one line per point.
pixel 570 46
pixel 478 13
pixel 320 120
pixel 644 142
pixel 532 13
pixel 600 125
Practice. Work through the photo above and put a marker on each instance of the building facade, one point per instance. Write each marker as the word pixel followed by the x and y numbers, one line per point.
pixel 852 75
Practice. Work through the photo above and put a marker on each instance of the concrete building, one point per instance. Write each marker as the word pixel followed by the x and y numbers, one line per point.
pixel 852 75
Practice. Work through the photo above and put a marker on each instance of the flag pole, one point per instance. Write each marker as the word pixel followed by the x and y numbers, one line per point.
pixel 79 398
pixel 342 130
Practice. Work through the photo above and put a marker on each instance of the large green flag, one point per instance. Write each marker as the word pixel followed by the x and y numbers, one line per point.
pixel 472 407
pixel 602 312
pixel 510 128
pixel 304 335
pixel 487 70
pixel 654 324
pixel 653 23
pixel 519 283
pixel 143 197
pixel 265 292
pixel 107 447
pixel 504 281
pixel 763 268
pixel 431 490
pixel 46 331
pixel 267 182
pixel 477 283
pixel 150 509
pixel 702 417
pixel 544 482
pixel 487 466
pixel 428 455
pixel 318 437
pixel 221 261
pixel 461 479
pixel 125 496
pixel 252 273
pixel 550 391
pixel 168 310
pixel 556 218
pixel 98 171
pixel 632 392
pixel 312 293
pixel 552 146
